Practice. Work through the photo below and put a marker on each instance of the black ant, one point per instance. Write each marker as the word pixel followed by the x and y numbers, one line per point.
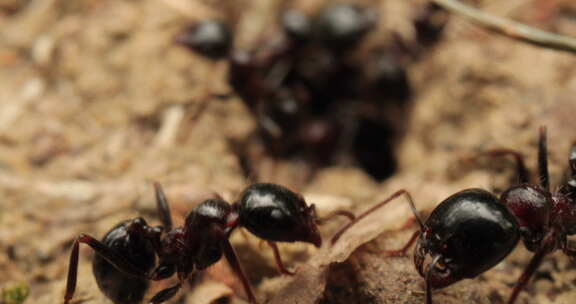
pixel 473 230
pixel 125 259
pixel 311 95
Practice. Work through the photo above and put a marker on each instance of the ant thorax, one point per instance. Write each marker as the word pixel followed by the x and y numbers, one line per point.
pixel 203 231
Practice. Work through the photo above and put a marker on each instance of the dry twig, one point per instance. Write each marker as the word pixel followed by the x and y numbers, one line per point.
pixel 510 28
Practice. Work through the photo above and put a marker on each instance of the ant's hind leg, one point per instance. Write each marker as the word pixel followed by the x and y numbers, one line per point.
pixel 547 246
pixel 104 251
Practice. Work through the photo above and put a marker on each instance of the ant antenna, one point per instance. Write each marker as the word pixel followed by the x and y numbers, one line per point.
pixel 329 216
pixel 414 211
pixel 377 206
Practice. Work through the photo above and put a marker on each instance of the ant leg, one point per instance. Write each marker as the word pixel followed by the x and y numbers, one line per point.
pixel 543 161
pixel 165 294
pixel 232 259
pixel 548 245
pixel 278 259
pixel 116 260
pixel 377 206
pixel 521 169
pixel 427 279
pixel 163 208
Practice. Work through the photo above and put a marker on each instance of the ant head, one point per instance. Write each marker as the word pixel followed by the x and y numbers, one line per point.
pixel 467 234
pixel 275 213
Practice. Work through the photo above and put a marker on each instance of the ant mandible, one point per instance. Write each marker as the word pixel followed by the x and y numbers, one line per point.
pixel 471 231
pixel 125 258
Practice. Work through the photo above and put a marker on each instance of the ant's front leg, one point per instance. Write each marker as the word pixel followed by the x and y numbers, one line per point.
pixel 317 220
pixel 104 251
pixel 278 258
pixel 548 245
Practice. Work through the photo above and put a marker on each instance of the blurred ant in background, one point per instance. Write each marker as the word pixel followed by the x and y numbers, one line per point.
pixel 133 253
pixel 313 97
pixel 473 230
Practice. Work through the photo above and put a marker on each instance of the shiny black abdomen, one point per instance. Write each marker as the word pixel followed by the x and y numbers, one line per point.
pixel 118 286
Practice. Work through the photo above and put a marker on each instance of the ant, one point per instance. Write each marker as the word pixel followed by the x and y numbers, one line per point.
pixel 315 91
pixel 125 260
pixel 310 94
pixel 473 230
